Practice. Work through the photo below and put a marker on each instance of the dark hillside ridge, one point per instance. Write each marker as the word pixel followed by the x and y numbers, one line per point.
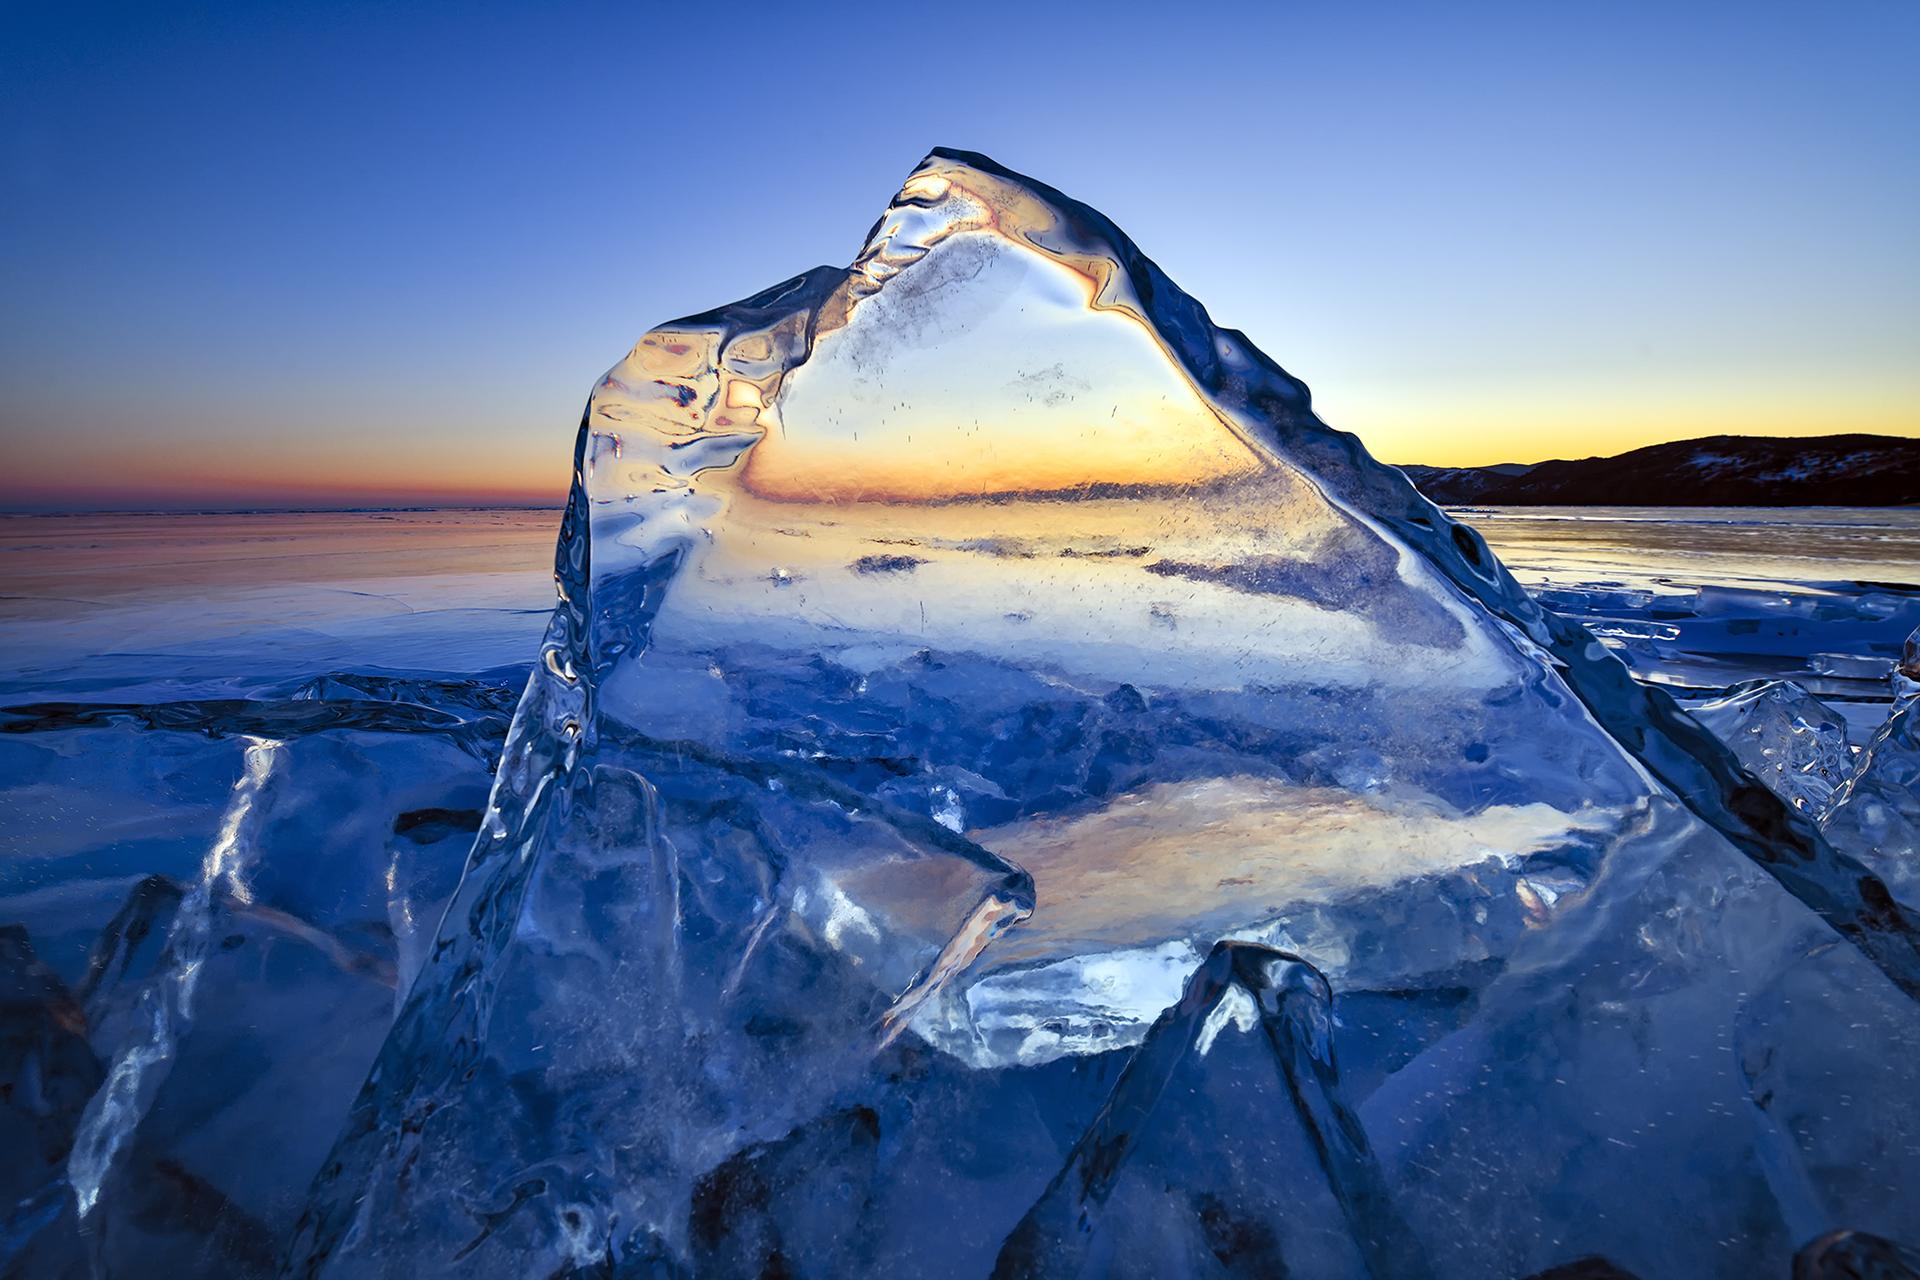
pixel 1713 471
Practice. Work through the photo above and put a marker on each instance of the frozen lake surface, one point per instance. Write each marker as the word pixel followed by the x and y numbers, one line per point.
pixel 102 600
pixel 1701 597
pixel 357 671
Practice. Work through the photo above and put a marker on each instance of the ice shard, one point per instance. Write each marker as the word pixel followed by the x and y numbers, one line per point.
pixel 1785 737
pixel 1906 673
pixel 1231 1198
pixel 952 651
pixel 227 1000
pixel 1875 815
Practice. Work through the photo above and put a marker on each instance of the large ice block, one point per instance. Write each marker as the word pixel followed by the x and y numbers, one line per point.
pixel 952 651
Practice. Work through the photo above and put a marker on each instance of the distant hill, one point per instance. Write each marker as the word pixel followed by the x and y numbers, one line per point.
pixel 1713 471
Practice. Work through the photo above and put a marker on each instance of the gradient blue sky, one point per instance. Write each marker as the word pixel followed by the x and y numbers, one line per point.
pixel 262 254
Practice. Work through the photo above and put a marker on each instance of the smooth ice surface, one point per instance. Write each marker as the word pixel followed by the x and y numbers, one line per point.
pixel 1005 790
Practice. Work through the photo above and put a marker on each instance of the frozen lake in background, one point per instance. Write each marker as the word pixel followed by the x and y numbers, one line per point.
pixel 142 597
pixel 1698 598
pixel 1774 548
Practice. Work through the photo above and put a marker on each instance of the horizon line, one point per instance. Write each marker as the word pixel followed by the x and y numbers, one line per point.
pixel 378 501
pixel 268 509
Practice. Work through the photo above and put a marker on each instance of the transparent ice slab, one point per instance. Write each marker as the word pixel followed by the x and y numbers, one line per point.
pixel 951 652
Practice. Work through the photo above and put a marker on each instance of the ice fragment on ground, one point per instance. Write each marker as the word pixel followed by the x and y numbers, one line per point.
pixel 1787 738
pixel 1875 815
